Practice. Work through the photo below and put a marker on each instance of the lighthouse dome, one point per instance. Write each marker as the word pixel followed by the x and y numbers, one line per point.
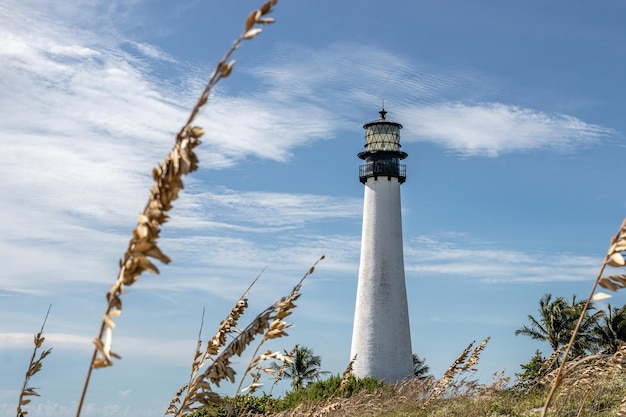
pixel 382 135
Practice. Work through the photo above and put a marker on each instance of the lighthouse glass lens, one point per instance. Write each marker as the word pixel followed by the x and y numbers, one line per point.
pixel 382 137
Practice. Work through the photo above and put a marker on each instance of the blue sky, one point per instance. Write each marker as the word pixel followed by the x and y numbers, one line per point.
pixel 513 122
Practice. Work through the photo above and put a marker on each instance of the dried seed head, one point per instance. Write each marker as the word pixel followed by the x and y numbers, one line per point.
pixel 226 69
pixel 251 33
pixel 267 7
pixel 196 132
pixel 252 19
pixel 616 260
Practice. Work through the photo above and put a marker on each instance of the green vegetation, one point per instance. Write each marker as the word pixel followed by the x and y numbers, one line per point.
pixel 556 323
pixel 368 397
pixel 420 369
pixel 611 330
pixel 309 396
pixel 304 368
pixel 584 376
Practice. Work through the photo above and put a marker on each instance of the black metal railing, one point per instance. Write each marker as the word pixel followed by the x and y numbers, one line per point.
pixel 382 169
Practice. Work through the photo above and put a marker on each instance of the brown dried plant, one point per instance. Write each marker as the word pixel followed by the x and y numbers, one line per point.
pixel 280 309
pixel 269 323
pixel 167 184
pixel 34 366
pixel 472 362
pixel 345 379
pixel 332 403
pixel 542 377
pixel 589 375
pixel 399 399
pixel 462 364
pixel 615 259
pixel 226 327
pixel 278 375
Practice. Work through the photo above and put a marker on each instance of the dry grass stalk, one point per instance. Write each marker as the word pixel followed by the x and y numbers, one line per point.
pixel 614 258
pixel 543 375
pixel 400 399
pixel 552 359
pixel 34 366
pixel 269 323
pixel 584 375
pixel 167 184
pixel 257 365
pixel 463 363
pixel 226 327
pixel 281 309
pixel 278 375
pixel 346 374
pixel 621 411
pixel 331 404
pixel 472 362
pixel 620 356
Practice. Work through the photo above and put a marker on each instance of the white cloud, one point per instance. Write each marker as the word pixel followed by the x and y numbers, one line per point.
pixel 153 52
pixel 493 128
pixel 58 340
pixel 483 262
pixel 172 350
pixel 265 211
pixel 125 393
pixel 426 100
pixel 97 121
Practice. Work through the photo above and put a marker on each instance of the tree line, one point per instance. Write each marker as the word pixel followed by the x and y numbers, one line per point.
pixel 600 332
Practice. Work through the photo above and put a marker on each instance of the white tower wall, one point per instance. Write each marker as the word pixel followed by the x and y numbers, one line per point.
pixel 381 336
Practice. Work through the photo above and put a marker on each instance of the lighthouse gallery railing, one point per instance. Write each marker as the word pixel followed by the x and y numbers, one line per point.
pixel 382 168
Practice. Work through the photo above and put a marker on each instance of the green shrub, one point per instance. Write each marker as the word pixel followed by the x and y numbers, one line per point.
pixel 239 405
pixel 323 390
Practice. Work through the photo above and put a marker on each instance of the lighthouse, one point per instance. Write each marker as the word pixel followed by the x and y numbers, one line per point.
pixel 381 336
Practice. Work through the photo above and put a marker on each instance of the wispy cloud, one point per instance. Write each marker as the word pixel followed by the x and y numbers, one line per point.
pixel 429 101
pixel 152 52
pixel 492 265
pixel 494 128
pixel 265 211
pixel 103 120
pixel 65 342
pixel 58 340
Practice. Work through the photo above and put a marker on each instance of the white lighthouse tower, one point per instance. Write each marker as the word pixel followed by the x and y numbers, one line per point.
pixel 381 336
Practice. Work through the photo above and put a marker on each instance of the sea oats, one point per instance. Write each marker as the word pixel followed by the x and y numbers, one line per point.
pixel 614 258
pixel 168 183
pixel 34 366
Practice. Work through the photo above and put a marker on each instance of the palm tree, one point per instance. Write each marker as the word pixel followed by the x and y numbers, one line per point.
pixel 420 369
pixel 586 338
pixel 611 332
pixel 553 323
pixel 305 367
pixel 556 322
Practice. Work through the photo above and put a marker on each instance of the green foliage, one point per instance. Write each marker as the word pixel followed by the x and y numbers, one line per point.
pixel 304 369
pixel 313 393
pixel 556 322
pixel 239 405
pixel 532 372
pixel 323 390
pixel 611 330
pixel 420 369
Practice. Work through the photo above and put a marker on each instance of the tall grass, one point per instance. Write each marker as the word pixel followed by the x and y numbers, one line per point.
pixel 585 386
pixel 269 323
pixel 34 366
pixel 615 259
pixel 167 176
